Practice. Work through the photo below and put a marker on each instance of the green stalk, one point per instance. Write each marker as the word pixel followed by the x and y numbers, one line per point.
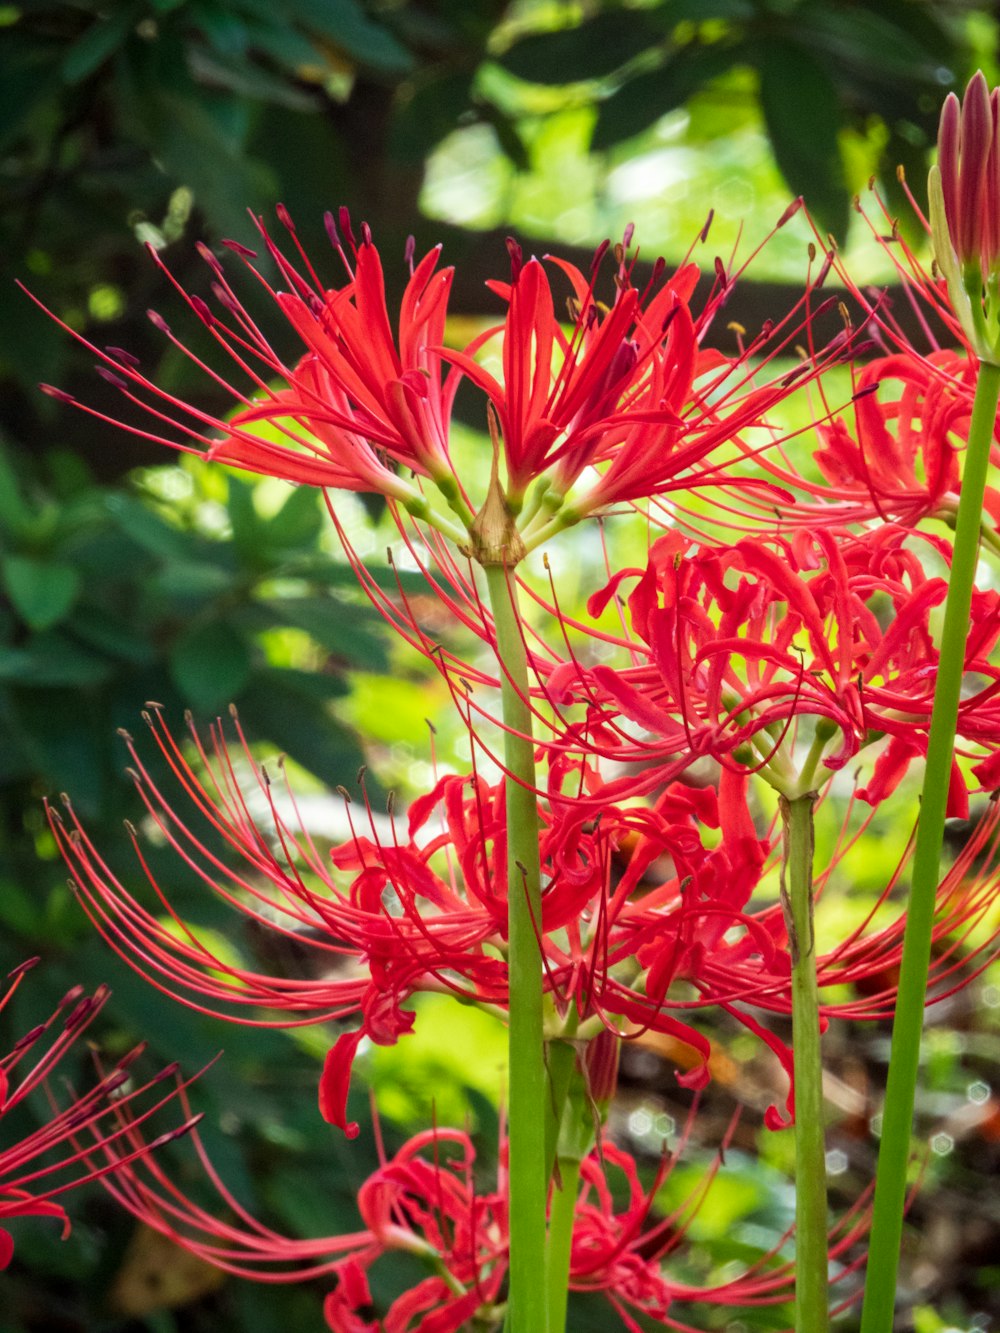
pixel 811 1278
pixel 527 1090
pixel 557 1258
pixel 897 1116
pixel 578 1129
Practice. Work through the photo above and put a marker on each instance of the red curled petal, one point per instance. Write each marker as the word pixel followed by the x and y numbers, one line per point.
pixel 335 1082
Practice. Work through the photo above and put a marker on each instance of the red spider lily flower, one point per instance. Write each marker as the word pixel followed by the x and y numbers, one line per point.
pixel 427 1201
pixel 629 391
pixel 361 402
pixel 48 1162
pixel 736 645
pixel 899 460
pixel 632 945
pixel 397 916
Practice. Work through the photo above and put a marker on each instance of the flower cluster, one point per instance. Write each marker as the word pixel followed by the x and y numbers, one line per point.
pixel 431 1201
pixel 634 806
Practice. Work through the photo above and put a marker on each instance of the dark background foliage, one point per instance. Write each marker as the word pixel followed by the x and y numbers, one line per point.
pixel 163 122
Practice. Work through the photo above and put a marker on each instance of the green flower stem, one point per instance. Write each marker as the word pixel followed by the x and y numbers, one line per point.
pixel 811 1280
pixel 557 1258
pixel 897 1116
pixel 527 1089
pixel 577 1133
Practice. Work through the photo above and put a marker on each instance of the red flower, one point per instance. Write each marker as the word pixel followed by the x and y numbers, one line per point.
pixel 899 460
pixel 629 393
pixel 361 401
pixel 49 1161
pixel 648 912
pixel 737 644
pixel 428 1201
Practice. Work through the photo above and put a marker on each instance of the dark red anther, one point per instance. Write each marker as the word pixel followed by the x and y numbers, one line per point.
pixel 366 234
pixel 16 972
pixel 330 223
pixel 225 299
pixel 599 254
pixel 111 377
pixel 238 248
pixel 824 272
pixel 410 251
pixel 120 354
pixel 29 1038
pixel 202 311
pixel 344 218
pixel 212 260
pixel 789 212
pixel 82 1012
pixel 59 395
pixel 157 321
pixel 516 258
pixel 285 218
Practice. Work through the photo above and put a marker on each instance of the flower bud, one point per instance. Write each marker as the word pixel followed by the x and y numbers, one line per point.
pixel 964 192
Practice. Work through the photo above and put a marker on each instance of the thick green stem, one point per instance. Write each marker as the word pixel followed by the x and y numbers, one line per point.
pixel 811 1279
pixel 557 1258
pixel 897 1116
pixel 527 1090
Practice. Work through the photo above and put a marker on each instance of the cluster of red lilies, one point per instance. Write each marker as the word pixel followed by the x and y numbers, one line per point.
pixel 779 639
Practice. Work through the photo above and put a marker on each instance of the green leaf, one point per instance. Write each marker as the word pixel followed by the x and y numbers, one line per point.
pixel 338 626
pixel 210 664
pixel 51 658
pixel 42 591
pixel 428 113
pixel 101 40
pixel 317 687
pixel 803 119
pixel 224 31
pixel 16 515
pixel 30 76
pixel 347 25
pixel 592 50
pixel 245 523
pixel 146 529
pixel 699 11
pixel 643 100
pixel 276 711
pixel 867 41
pixel 250 82
pixel 283 44
pixel 192 580
pixel 505 127
pixel 115 635
pixel 298 522
pixel 67 743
